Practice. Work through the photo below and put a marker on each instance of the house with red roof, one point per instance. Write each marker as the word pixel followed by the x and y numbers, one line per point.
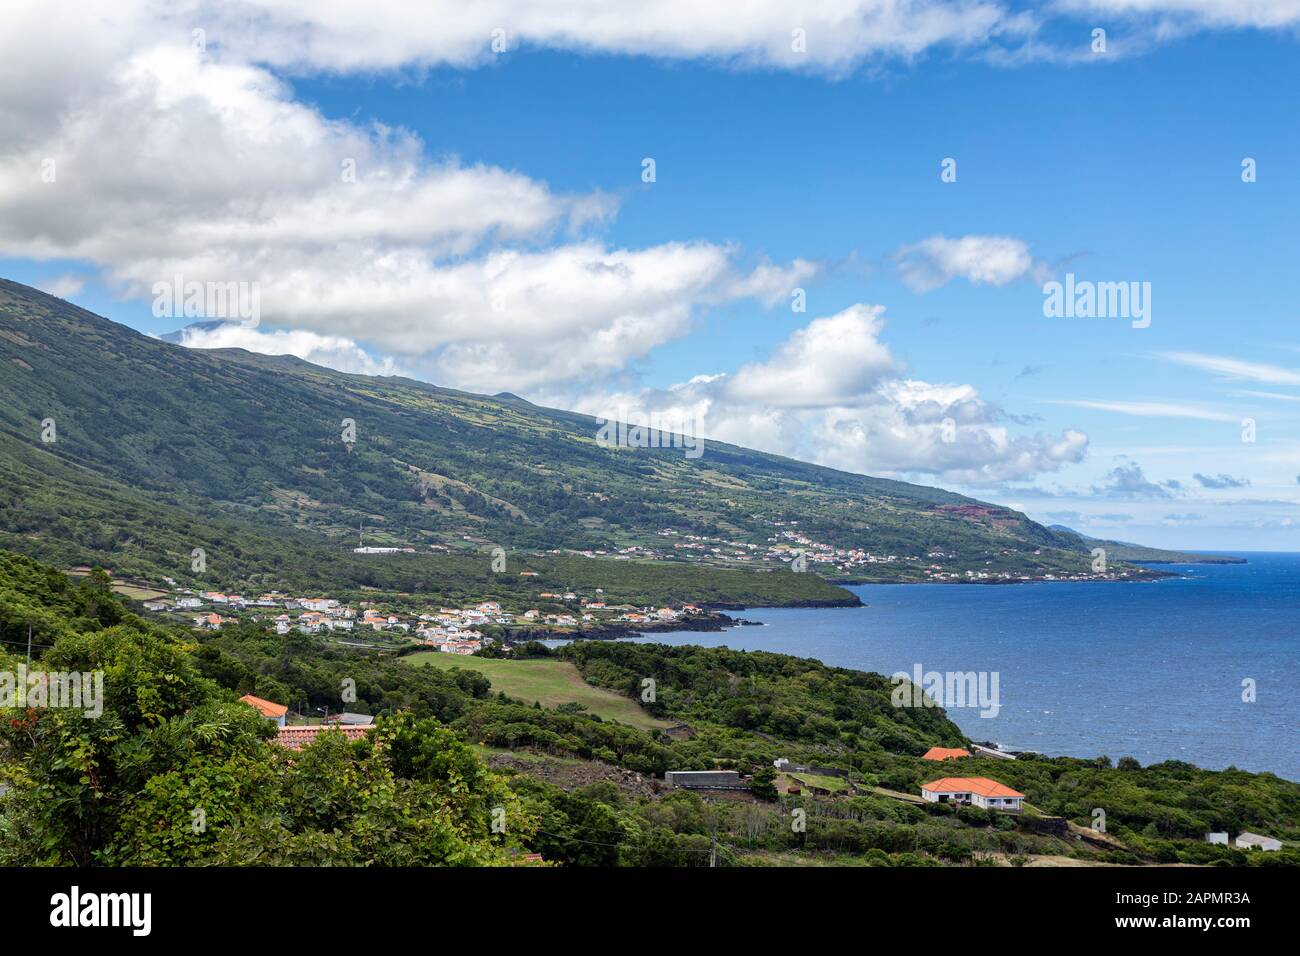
pixel 267 708
pixel 975 791
pixel 297 737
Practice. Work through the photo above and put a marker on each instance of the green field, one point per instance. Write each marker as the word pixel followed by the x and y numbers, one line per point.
pixel 550 683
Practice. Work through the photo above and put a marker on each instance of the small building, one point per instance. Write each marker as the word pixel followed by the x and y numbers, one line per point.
pixel 349 719
pixel 945 753
pixel 983 751
pixel 267 708
pixel 1253 841
pixel 705 779
pixel 1219 839
pixel 975 791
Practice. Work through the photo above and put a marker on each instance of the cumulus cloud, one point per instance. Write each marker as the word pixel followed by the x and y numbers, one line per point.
pixel 837 34
pixel 833 361
pixel 471 274
pixel 331 351
pixel 986 260
pixel 64 286
pixel 1221 481
pixel 1128 481
pixel 834 394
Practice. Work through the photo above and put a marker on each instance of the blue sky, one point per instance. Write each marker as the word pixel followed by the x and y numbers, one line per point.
pixel 522 172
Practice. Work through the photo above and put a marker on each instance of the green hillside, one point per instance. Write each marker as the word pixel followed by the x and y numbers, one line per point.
pixel 162 449
pixel 580 787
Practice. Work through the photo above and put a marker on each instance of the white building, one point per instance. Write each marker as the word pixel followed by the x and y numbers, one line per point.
pixel 1253 841
pixel 976 791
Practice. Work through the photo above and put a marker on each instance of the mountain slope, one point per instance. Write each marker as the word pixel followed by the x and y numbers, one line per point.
pixel 1128 551
pixel 161 447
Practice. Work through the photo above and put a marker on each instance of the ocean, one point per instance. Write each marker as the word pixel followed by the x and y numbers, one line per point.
pixel 1156 671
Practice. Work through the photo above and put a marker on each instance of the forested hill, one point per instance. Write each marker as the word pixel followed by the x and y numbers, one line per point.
pixel 160 449
pixel 168 735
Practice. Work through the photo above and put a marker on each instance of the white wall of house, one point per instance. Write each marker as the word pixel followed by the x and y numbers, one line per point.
pixel 974 799
pixel 997 803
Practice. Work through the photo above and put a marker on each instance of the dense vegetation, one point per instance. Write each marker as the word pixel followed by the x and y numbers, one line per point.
pixel 161 449
pixel 176 771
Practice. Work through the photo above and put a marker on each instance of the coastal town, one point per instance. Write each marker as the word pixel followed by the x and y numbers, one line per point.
pixel 451 630
pixel 794 549
pixel 461 630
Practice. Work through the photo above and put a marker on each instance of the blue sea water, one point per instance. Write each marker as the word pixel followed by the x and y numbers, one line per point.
pixel 1152 670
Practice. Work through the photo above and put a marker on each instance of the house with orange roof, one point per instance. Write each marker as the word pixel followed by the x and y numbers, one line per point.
pixel 945 753
pixel 975 791
pixel 267 708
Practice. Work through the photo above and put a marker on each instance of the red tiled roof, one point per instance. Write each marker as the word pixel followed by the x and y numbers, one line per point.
pixel 981 785
pixel 295 738
pixel 266 708
pixel 945 753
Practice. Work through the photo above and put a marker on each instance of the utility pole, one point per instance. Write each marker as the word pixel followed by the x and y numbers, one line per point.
pixel 29 645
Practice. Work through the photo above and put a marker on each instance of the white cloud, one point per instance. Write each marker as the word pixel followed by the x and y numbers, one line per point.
pixel 1270 396
pixel 1129 482
pixel 833 361
pixel 1153 409
pixel 1263 14
pixel 172 163
pixel 833 394
pixel 385 33
pixel 331 351
pixel 988 260
pixel 64 286
pixel 1231 368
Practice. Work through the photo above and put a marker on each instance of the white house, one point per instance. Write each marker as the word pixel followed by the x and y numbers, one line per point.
pixel 976 791
pixel 269 709
pixel 1253 841
pixel 1221 839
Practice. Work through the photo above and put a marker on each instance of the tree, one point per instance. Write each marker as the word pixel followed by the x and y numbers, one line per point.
pixel 764 783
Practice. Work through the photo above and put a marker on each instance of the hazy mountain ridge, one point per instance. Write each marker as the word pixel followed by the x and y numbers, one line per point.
pixel 1141 554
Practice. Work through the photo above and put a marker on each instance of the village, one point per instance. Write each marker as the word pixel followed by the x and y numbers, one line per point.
pixel 450 630
pixel 792 548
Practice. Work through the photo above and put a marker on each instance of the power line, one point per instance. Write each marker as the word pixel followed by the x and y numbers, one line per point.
pixel 25 644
